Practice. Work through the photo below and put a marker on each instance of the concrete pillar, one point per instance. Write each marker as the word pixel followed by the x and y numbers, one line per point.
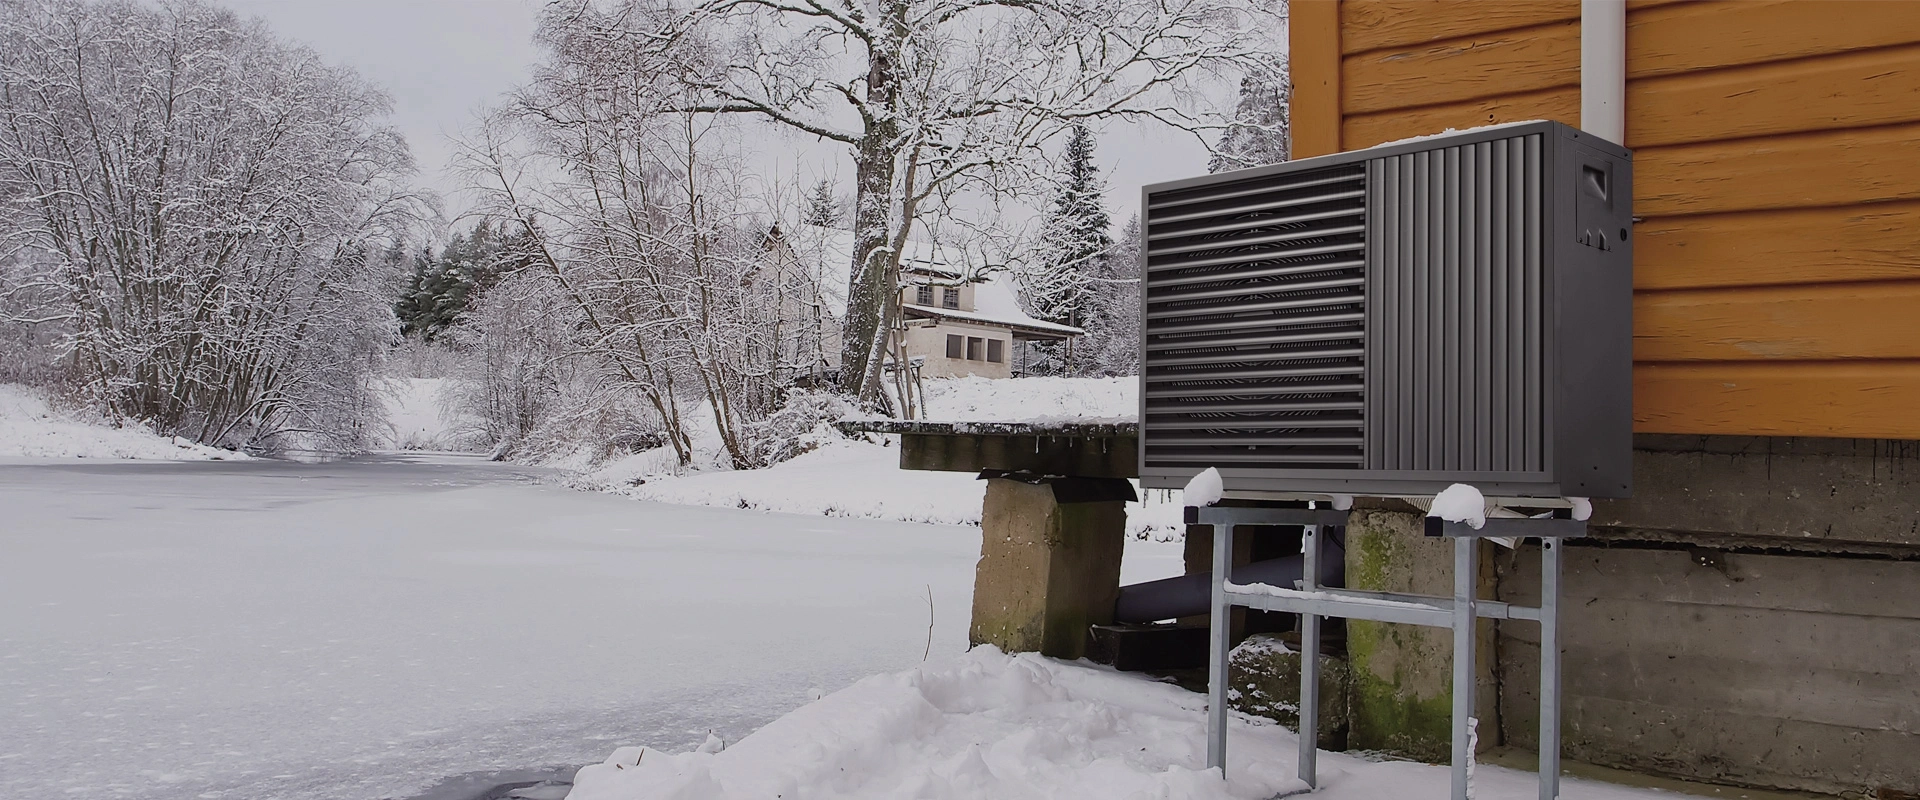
pixel 1049 563
pixel 1401 694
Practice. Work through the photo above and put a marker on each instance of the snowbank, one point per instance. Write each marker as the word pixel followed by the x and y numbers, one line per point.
pixel 31 428
pixel 988 725
pixel 854 478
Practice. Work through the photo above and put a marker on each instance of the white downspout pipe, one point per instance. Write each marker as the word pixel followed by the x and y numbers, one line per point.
pixel 1603 69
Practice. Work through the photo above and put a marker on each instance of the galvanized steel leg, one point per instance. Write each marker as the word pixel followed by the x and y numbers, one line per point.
pixel 1549 669
pixel 1465 576
pixel 1219 642
pixel 1310 660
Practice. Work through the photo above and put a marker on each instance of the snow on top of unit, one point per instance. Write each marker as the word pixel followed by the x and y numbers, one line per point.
pixel 1460 503
pixel 828 253
pixel 1205 488
pixel 1456 131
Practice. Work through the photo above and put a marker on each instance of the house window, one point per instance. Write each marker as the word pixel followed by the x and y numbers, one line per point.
pixel 923 294
pixel 950 297
pixel 975 349
pixel 996 351
pixel 954 344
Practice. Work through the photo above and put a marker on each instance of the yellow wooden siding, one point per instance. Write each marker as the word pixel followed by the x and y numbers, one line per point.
pixel 1848 90
pixel 1481 65
pixel 1389 24
pixel 1725 33
pixel 1827 322
pixel 1313 40
pixel 1875 241
pixel 1777 172
pixel 1864 399
pixel 1367 130
pixel 1803 170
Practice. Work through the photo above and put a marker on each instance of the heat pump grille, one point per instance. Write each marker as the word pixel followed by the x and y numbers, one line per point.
pixel 1255 314
pixel 1455 355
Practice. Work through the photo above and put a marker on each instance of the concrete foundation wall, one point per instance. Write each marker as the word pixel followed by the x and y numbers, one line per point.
pixel 1751 616
pixel 1779 671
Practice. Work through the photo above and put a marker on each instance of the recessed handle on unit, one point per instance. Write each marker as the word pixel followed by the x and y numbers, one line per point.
pixel 1593 182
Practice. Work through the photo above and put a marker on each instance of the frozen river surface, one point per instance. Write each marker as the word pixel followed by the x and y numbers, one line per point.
pixel 365 629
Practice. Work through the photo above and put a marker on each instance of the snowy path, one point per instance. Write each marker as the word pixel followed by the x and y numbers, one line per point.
pixel 363 629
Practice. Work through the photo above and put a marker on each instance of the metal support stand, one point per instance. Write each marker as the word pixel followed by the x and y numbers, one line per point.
pixel 1459 612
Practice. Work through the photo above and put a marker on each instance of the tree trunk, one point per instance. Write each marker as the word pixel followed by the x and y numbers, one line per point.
pixel 871 287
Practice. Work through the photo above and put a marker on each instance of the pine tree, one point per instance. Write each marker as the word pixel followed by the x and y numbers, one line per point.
pixel 1069 267
pixel 442 288
pixel 823 208
pixel 1259 134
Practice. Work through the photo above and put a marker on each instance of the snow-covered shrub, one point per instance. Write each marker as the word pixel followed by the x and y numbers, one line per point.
pixel 803 424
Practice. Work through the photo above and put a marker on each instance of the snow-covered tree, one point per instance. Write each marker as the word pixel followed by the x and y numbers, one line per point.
pixel 1069 268
pixel 641 234
pixel 205 206
pixel 823 208
pixel 1259 134
pixel 929 97
pixel 1112 343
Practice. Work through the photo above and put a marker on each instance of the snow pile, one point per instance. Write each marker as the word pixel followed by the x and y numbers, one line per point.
pixel 989 725
pixel 979 725
pixel 1205 488
pixel 30 428
pixel 978 399
pixel 1460 503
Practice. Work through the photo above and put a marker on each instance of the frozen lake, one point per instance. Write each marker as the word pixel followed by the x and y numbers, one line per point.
pixel 367 628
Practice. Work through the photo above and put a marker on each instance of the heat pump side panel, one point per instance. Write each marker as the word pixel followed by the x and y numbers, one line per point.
pixel 1592 338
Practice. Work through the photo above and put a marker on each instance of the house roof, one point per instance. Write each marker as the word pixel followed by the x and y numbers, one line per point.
pixel 828 255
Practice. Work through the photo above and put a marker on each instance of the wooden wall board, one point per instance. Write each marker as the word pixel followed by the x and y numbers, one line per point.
pixel 1366 130
pixel 1806 323
pixel 1848 90
pixel 1806 170
pixel 1878 241
pixel 1313 36
pixel 1482 65
pixel 1855 399
pixel 1724 33
pixel 1384 24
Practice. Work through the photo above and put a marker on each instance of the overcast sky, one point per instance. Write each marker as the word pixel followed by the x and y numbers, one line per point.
pixel 442 60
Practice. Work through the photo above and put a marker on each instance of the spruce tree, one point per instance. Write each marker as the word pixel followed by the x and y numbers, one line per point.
pixel 1070 265
pixel 823 208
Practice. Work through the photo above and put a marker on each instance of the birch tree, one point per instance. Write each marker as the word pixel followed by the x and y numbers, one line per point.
pixel 206 203
pixel 930 96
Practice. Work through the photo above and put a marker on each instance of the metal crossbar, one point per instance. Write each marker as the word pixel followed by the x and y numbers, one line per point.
pixel 1458 612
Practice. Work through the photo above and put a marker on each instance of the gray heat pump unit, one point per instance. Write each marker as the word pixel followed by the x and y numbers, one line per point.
pixel 1386 322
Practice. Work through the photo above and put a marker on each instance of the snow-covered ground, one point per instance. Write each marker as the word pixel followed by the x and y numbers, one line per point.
pixel 859 478
pixel 31 428
pixel 984 724
pixel 361 629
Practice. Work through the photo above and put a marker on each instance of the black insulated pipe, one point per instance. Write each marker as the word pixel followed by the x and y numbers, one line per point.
pixel 1188 595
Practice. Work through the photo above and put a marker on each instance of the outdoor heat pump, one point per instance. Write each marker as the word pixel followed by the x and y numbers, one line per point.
pixel 1390 321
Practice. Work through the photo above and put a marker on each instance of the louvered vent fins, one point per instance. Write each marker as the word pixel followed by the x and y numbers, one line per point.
pixel 1254 322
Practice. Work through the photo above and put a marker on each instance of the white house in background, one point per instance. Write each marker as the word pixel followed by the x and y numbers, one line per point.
pixel 960 317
